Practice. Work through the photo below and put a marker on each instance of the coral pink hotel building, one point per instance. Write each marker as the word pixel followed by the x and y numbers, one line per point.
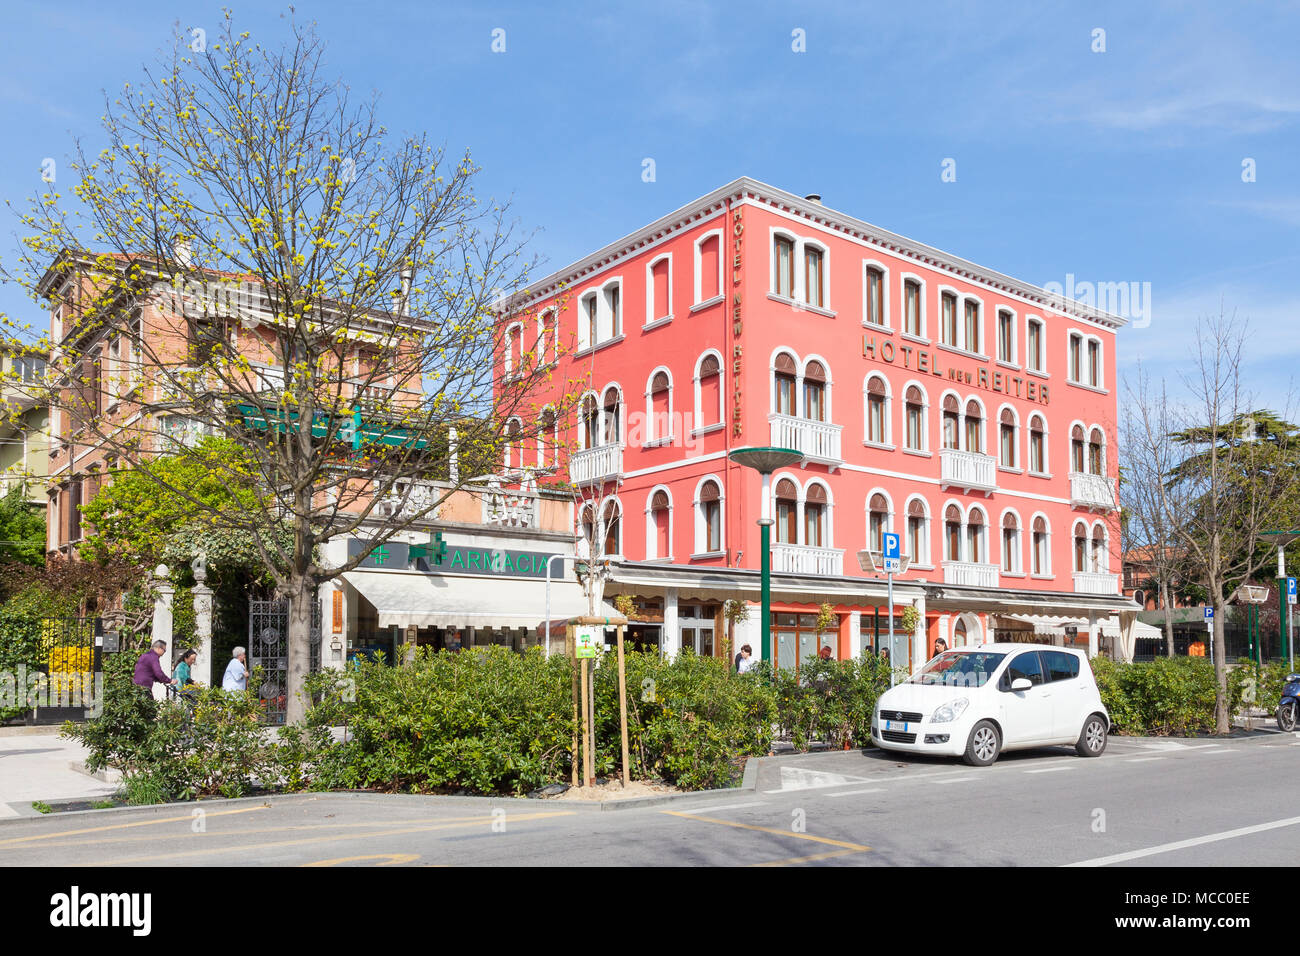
pixel 967 410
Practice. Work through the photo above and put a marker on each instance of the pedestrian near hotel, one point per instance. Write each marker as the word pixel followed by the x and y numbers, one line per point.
pixel 183 666
pixel 746 662
pixel 940 645
pixel 148 671
pixel 236 676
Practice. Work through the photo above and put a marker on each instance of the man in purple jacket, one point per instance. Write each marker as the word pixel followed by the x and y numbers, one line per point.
pixel 147 669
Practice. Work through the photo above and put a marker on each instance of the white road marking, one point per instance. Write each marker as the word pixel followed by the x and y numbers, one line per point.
pixel 1143 759
pixel 1183 844
pixel 1049 769
pixel 7 811
pixel 956 779
pixel 725 806
pixel 854 793
pixel 799 778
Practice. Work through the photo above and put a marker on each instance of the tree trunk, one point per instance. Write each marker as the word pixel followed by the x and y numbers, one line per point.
pixel 301 595
pixel 1221 722
pixel 1169 617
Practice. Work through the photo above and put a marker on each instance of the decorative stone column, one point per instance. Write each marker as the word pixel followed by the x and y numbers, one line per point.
pixel 162 621
pixel 202 619
pixel 920 650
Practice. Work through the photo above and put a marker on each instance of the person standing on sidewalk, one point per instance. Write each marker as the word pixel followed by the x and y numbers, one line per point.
pixel 147 669
pixel 236 676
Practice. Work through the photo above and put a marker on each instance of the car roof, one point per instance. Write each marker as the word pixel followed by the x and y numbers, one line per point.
pixel 1010 647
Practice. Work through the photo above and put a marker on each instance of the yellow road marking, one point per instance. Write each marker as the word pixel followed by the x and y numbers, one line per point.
pixel 389 858
pixel 853 847
pixel 122 826
pixel 478 821
pixel 808 859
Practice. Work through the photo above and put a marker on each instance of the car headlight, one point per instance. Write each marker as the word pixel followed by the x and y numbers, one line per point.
pixel 950 711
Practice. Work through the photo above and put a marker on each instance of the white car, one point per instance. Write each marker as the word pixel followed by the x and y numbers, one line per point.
pixel 975 702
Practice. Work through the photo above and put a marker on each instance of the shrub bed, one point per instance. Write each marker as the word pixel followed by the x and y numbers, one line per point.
pixel 1162 697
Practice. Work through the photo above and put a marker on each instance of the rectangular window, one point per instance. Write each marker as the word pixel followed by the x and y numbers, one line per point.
pixel 1036 451
pixel 1094 364
pixel 875 297
pixel 876 418
pixel 1008 445
pixel 784 267
pixel 784 395
pixel 1076 358
pixel 615 311
pixel 949 332
pixel 915 539
pixel 813 516
pixel 813 277
pixel 974 542
pixel 912 307
pixel 952 540
pixel 660 307
pixel 972 326
pixel 973 435
pixel 786 528
pixel 950 430
pixel 914 427
pixel 1006 337
pixel 713 525
pixel 593 327
pixel 1035 349
pixel 1009 536
pixel 74 511
pixel 814 408
pixel 1040 552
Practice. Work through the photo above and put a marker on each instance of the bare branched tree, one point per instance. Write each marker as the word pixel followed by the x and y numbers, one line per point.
pixel 252 254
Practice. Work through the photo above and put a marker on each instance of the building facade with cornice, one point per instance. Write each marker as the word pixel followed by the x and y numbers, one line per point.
pixel 970 412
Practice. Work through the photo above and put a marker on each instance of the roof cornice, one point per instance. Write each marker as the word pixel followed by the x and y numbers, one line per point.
pixel 752 190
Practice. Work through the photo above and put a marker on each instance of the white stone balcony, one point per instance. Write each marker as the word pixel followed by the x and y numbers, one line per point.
pixel 596 464
pixel 967 469
pixel 505 508
pixel 816 441
pixel 1095 582
pixel 1092 491
pixel 970 574
pixel 802 559
pixel 408 500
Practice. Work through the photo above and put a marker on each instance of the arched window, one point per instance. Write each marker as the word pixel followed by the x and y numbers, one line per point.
pixel 1042 555
pixel 875 295
pixel 787 512
pixel 918 545
pixel 877 410
pixel 588 522
pixel 1007 438
pixel 877 522
pixel 590 422
pixel 1076 449
pixel 814 392
pixel 1096 461
pixel 783 266
pixel 974 427
pixel 976 550
pixel 952 533
pixel 659 530
pixel 1080 547
pixel 951 422
pixel 1010 543
pixel 708 398
pixel 659 425
pixel 710 517
pixel 814 517
pixel 1037 446
pixel 785 384
pixel 613 526
pixel 1100 559
pixel 514 457
pixel 915 414
pixel 547 438
pixel 612 407
pixel 708 268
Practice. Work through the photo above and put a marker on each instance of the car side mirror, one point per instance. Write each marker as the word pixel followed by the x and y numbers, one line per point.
pixel 1021 683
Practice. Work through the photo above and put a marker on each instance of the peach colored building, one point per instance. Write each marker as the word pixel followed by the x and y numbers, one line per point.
pixel 968 411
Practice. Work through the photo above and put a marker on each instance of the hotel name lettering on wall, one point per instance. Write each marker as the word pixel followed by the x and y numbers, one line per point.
pixel 737 234
pixel 926 362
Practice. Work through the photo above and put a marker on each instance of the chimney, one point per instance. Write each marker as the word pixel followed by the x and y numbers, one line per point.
pixel 814 197
pixel 404 306
pixel 181 251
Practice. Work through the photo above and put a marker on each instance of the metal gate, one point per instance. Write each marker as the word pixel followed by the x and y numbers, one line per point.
pixel 268 647
pixel 69 658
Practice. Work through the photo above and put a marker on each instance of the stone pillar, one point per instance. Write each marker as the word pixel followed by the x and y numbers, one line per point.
pixel 920 653
pixel 668 638
pixel 1092 634
pixel 855 634
pixel 162 623
pixel 202 620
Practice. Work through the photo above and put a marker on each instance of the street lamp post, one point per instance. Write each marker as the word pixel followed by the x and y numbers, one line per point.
pixel 765 460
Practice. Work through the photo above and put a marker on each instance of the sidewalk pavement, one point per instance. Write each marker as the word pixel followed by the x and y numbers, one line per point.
pixel 42 766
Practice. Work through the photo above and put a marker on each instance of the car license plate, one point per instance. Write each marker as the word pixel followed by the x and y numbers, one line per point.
pixel 898 725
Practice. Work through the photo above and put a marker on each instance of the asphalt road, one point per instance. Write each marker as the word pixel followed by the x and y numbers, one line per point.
pixel 1185 804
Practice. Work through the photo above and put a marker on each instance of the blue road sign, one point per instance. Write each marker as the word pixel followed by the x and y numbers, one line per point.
pixel 1290 591
pixel 892 545
pixel 1209 614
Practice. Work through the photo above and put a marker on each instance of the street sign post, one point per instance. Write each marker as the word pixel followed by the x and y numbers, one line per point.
pixel 891 548
pixel 1290 623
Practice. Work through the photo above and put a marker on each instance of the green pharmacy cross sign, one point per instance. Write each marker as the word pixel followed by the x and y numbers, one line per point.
pixel 438 556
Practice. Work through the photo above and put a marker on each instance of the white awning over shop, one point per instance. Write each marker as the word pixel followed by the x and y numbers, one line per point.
pixel 424 600
pixel 1054 626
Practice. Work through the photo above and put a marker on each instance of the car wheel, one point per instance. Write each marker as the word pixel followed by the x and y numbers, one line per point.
pixel 984 745
pixel 1092 739
pixel 1286 716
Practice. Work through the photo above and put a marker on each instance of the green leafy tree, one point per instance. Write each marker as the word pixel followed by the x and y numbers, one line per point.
pixel 22 528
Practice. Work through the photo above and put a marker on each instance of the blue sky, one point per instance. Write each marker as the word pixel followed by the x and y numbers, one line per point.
pixel 1115 166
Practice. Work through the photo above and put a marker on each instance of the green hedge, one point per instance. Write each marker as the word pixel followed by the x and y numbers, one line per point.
pixel 1170 695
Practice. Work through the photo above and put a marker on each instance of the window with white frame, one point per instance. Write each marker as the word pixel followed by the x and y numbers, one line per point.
pixel 877 410
pixel 951 422
pixel 708 267
pixel 1100 555
pixel 918 532
pixel 513 457
pixel 658 289
pixel 1037 445
pixel 1096 452
pixel 952 524
pixel 1080 546
pixel 785 382
pixel 612 528
pixel 783 266
pixel 972 311
pixel 877 521
pixel 547 340
pixel 814 392
pixel 1078 459
pixel 1007 438
pixel 600 314
pixel 816 517
pixel 974 427
pixel 1094 363
pixel 800 270
pixel 948 327
pixel 708 517
pixel 913 323
pixel 1034 346
pixel 814 278
pixel 659 407
pixel 659 518
pixel 1076 357
pixel 1011 560
pixel 708 390
pixel 875 305
pixel 976 544
pixel 547 438
pixel 1042 554
pixel 612 417
pixel 1006 336
pixel 786 498
pixel 914 418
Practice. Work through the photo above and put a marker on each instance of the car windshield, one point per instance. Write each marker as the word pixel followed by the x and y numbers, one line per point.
pixel 958 669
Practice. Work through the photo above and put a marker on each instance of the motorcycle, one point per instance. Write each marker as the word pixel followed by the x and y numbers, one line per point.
pixel 1288 710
